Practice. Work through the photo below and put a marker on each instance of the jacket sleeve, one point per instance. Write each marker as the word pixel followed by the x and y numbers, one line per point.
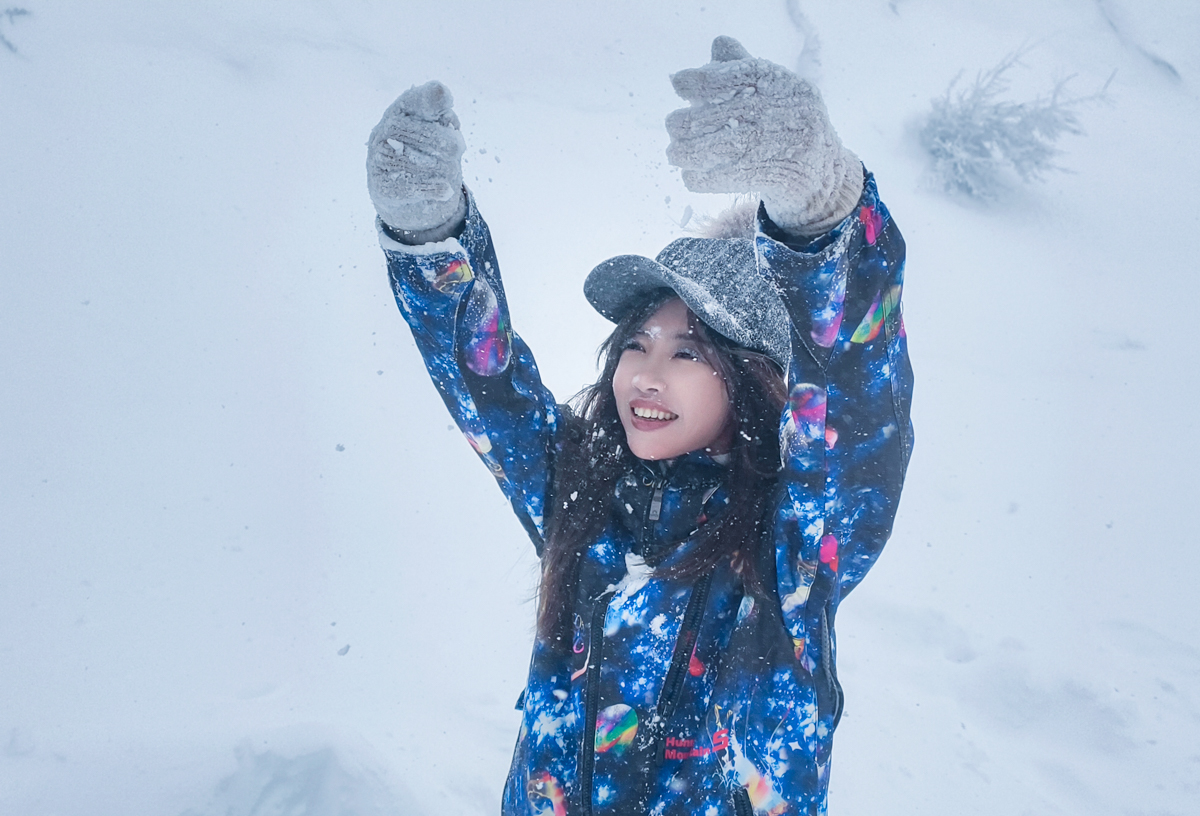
pixel 451 294
pixel 845 433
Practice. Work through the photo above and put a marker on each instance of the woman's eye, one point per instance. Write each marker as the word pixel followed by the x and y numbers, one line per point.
pixel 632 345
pixel 688 354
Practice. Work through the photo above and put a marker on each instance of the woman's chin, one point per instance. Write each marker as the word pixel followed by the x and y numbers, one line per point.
pixel 655 450
pixel 652 450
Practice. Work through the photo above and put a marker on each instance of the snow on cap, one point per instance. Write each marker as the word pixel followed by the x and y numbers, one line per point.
pixel 718 280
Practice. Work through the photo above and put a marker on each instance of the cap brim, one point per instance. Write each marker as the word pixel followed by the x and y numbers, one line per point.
pixel 615 286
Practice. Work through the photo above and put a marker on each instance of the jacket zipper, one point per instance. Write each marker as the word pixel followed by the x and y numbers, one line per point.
pixel 587 750
pixel 835 687
pixel 689 630
pixel 656 729
pixel 891 327
pixel 741 803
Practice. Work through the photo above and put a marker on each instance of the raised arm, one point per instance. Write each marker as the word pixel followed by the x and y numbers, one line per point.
pixel 837 259
pixel 846 431
pixel 447 284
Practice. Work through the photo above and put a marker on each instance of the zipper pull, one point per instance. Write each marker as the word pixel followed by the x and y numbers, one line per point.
pixel 656 500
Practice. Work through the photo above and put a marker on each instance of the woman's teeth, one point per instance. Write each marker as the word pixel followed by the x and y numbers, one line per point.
pixel 652 413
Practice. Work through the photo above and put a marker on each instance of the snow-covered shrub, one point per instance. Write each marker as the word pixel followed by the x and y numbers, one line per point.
pixel 977 139
pixel 8 15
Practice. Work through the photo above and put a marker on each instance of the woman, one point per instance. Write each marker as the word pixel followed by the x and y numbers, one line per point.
pixel 703 508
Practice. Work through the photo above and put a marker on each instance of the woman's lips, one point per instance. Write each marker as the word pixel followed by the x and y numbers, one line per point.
pixel 650 418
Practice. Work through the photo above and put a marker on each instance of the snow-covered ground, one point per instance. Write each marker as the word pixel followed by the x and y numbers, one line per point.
pixel 245 566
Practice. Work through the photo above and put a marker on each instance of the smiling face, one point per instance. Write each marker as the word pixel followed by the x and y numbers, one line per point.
pixel 670 398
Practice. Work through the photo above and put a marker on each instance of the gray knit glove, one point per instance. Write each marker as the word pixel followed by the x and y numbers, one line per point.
pixel 755 127
pixel 414 165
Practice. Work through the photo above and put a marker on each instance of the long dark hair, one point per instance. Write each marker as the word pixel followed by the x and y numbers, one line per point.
pixel 592 455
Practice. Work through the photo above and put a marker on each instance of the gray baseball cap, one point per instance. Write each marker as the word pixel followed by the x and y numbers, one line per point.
pixel 718 280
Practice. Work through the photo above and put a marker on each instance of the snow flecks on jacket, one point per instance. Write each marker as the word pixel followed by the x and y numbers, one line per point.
pixel 555 720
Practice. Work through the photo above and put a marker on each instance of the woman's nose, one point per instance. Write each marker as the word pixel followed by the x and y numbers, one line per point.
pixel 648 379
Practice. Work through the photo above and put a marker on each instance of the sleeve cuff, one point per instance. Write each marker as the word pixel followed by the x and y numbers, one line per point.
pixel 453 228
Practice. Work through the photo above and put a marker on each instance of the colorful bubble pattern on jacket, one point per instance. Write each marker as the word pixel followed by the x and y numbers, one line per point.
pixel 616 726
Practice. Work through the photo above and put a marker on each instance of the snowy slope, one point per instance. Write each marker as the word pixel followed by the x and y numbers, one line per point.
pixel 222 464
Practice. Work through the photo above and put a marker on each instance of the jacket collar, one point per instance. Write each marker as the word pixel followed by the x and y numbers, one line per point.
pixel 663 503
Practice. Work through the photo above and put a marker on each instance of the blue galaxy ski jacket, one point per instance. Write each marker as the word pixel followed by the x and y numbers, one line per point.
pixel 697 697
